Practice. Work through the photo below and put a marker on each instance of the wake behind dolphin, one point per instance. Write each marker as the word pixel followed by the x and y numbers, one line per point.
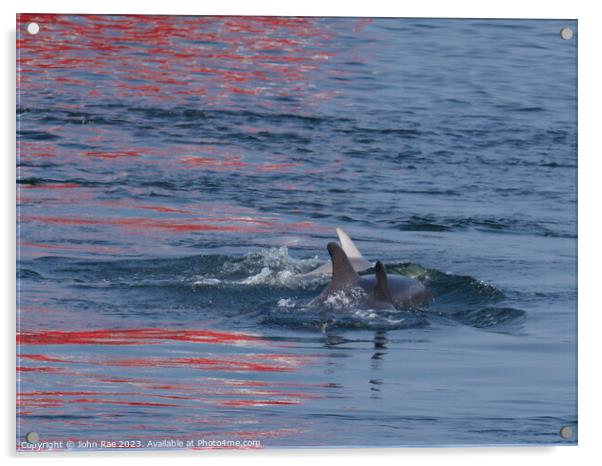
pixel 369 292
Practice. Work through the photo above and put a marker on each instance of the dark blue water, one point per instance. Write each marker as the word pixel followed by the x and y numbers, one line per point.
pixel 177 174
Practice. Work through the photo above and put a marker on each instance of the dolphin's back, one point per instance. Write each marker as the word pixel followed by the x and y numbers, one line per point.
pixel 381 291
pixel 404 291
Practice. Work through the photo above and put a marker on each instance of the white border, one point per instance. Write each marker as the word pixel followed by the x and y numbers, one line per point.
pixel 423 8
pixel 590 154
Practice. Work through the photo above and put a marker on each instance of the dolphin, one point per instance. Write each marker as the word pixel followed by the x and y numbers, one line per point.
pixel 358 262
pixel 370 292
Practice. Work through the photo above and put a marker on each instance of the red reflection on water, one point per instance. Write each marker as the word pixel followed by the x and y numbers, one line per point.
pixel 66 393
pixel 245 224
pixel 42 358
pixel 277 167
pixel 88 60
pixel 162 209
pixel 34 149
pixel 194 209
pixel 362 23
pixel 142 223
pixel 113 155
pixel 238 55
pixel 52 185
pixel 117 402
pixel 39 403
pixel 133 337
pixel 230 163
pixel 244 363
pixel 200 62
pixel 254 221
pixel 40 369
pixel 190 399
pixel 76 247
pixel 236 403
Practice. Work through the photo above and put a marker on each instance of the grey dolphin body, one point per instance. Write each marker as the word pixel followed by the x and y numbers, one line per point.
pixel 377 292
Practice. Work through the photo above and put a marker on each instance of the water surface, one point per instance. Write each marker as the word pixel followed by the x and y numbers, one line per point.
pixel 177 174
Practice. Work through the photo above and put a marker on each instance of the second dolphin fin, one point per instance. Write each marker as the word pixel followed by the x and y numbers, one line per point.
pixel 353 253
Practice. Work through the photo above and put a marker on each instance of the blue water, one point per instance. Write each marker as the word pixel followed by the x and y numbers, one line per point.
pixel 177 175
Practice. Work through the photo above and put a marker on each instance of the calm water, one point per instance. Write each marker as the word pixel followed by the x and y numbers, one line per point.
pixel 176 174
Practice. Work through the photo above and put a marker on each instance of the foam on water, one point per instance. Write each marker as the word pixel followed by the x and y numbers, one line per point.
pixel 272 266
pixel 345 299
pixel 200 280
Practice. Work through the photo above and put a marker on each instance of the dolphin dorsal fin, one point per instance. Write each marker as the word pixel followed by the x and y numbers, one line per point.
pixel 353 253
pixel 348 246
pixel 343 274
pixel 381 289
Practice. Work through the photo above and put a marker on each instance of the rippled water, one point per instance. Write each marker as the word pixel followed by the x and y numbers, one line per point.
pixel 177 175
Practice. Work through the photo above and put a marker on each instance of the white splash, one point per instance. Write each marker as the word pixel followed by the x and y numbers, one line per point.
pixel 200 280
pixel 261 277
pixel 286 303
pixel 345 299
pixel 277 268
